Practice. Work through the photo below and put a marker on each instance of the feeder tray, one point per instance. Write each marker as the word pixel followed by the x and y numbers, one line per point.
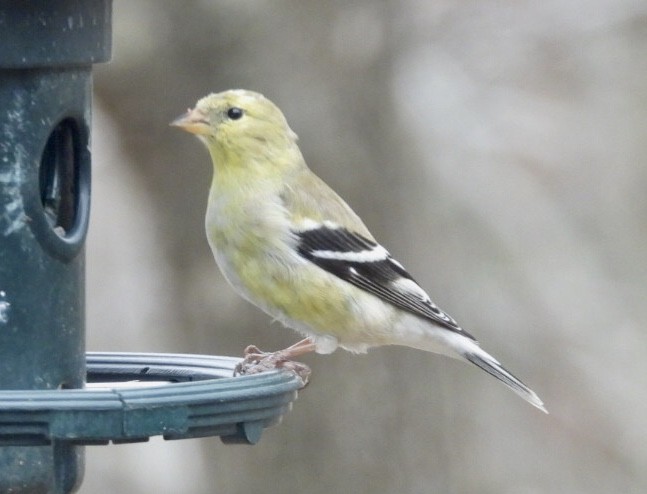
pixel 150 394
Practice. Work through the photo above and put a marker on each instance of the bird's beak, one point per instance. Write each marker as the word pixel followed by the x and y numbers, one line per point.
pixel 192 121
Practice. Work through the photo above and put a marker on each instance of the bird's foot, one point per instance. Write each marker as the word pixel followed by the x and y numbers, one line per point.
pixel 257 361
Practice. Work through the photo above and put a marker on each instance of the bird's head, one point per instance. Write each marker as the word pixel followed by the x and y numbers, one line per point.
pixel 236 123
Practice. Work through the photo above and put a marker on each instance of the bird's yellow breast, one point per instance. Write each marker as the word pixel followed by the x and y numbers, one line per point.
pixel 257 255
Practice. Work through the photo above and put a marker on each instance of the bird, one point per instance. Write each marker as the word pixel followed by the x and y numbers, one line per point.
pixel 289 244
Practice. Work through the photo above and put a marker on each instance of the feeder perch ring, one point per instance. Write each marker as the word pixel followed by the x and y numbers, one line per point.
pixel 133 396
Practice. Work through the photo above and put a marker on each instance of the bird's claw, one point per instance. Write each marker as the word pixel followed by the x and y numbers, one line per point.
pixel 256 361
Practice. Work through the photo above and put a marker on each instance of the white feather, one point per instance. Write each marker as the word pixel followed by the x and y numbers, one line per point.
pixel 411 287
pixel 378 253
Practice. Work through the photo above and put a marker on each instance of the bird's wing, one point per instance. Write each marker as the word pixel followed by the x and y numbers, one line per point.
pixel 367 265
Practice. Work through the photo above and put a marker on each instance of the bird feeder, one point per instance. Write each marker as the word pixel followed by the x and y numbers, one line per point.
pixel 47 413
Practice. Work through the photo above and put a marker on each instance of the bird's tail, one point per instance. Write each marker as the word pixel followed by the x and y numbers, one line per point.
pixel 489 364
pixel 418 333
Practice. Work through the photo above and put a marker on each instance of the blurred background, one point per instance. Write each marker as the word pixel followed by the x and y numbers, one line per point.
pixel 496 148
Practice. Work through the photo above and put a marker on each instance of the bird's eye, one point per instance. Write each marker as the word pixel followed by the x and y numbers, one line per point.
pixel 235 113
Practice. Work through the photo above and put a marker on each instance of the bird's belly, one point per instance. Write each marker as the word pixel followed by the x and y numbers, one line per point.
pixel 308 299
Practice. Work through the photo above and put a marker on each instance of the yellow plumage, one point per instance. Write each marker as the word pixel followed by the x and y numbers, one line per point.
pixel 290 245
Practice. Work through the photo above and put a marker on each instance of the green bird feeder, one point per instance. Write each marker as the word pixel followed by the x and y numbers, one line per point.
pixel 47 413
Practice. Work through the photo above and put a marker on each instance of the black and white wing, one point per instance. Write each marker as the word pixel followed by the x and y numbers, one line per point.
pixel 367 265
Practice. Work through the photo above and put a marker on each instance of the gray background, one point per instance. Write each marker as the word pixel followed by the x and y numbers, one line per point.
pixel 496 148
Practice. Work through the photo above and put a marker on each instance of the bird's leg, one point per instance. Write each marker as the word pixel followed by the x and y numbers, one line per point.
pixel 257 361
pixel 302 347
pixel 254 354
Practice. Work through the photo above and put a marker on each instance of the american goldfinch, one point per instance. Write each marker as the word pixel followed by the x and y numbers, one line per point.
pixel 290 245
